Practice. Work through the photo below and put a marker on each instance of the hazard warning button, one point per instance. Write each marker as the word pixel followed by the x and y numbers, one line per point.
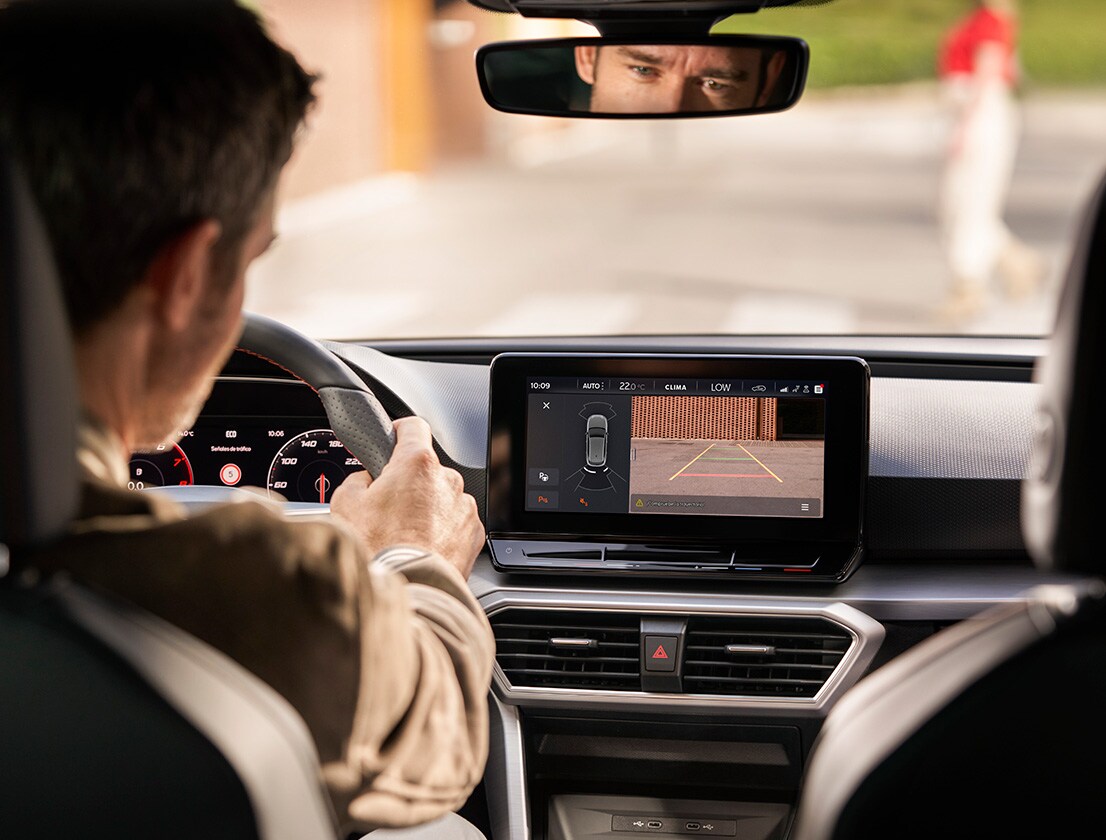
pixel 660 653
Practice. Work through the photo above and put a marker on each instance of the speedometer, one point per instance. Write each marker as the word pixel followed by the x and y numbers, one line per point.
pixel 309 466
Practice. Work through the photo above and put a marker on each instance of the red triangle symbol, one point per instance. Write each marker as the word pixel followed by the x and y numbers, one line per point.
pixel 660 653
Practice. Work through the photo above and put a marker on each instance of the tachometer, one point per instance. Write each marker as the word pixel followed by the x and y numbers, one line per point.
pixel 166 466
pixel 309 466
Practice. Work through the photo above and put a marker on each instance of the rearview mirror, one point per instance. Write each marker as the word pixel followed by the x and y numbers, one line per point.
pixel 615 77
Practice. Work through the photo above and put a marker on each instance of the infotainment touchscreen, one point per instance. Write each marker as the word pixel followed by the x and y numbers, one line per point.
pixel 749 462
pixel 715 447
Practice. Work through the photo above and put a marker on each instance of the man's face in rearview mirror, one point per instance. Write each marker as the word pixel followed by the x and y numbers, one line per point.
pixel 665 79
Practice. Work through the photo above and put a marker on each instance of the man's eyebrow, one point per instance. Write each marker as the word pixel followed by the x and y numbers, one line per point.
pixel 638 55
pixel 732 75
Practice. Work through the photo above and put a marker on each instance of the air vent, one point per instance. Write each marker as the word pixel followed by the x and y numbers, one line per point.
pixel 555 649
pixel 761 657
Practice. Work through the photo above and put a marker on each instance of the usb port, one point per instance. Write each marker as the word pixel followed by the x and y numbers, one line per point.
pixel 692 826
pixel 654 824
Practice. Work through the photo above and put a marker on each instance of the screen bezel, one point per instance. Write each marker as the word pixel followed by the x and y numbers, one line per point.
pixel 846 453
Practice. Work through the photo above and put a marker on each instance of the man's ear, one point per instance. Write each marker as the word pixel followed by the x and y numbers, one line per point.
pixel 585 63
pixel 179 276
pixel 771 77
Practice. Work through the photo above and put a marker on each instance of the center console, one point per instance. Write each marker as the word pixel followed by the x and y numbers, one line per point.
pixel 670 709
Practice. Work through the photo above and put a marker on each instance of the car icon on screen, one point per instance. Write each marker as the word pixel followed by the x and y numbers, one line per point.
pixel 595 442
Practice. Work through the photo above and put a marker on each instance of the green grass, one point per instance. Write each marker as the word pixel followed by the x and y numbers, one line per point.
pixel 870 42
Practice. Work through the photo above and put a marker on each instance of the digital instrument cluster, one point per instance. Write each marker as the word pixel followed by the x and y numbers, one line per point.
pixel 292 453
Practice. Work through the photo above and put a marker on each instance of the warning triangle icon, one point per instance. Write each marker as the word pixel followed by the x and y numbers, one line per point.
pixel 660 653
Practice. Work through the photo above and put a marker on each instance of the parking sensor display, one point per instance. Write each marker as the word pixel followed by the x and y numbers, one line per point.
pixel 676 462
pixel 676 446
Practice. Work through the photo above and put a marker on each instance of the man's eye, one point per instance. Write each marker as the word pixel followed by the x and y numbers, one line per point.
pixel 641 70
pixel 715 86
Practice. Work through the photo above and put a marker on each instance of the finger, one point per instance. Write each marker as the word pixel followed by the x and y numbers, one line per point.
pixel 472 514
pixel 479 537
pixel 455 480
pixel 412 436
pixel 356 481
pixel 351 487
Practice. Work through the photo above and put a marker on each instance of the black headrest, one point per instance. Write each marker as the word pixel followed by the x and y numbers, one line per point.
pixel 38 471
pixel 1062 498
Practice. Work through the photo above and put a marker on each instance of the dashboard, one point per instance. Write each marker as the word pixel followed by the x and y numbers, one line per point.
pixel 639 684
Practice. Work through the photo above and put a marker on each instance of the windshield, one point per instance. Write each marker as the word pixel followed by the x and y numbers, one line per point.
pixel 929 182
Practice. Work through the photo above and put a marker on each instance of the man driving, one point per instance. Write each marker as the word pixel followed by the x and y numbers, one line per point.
pixel 153 136
pixel 663 79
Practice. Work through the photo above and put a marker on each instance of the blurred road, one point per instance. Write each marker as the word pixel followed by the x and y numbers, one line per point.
pixel 819 220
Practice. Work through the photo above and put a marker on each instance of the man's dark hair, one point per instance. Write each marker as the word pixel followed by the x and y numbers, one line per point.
pixel 134 119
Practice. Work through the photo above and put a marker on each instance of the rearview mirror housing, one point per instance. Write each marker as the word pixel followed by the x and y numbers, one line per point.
pixel 644 78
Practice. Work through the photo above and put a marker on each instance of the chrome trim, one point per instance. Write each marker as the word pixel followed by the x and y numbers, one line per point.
pixel 867 635
pixel 573 643
pixel 917 592
pixel 766 650
pixel 505 774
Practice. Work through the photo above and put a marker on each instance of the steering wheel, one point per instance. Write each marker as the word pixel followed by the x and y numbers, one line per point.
pixel 355 414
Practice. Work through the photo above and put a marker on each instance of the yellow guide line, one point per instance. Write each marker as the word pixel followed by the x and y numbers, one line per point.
pixel 696 458
pixel 755 458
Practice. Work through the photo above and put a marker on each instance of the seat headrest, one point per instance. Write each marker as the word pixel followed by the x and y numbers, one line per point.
pixel 38 404
pixel 1061 499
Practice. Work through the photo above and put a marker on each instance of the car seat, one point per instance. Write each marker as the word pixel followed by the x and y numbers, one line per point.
pixel 113 723
pixel 995 726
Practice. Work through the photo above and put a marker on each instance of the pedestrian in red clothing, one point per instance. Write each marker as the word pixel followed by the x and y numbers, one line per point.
pixel 978 67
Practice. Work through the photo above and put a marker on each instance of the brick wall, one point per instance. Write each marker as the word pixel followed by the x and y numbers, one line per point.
pixel 704 418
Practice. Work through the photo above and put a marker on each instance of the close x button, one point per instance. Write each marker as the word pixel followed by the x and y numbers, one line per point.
pixel 660 653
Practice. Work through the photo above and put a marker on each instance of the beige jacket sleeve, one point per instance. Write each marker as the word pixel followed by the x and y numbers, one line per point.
pixel 420 732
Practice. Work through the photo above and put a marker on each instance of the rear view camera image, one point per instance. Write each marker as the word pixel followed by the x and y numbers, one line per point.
pixel 736 456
